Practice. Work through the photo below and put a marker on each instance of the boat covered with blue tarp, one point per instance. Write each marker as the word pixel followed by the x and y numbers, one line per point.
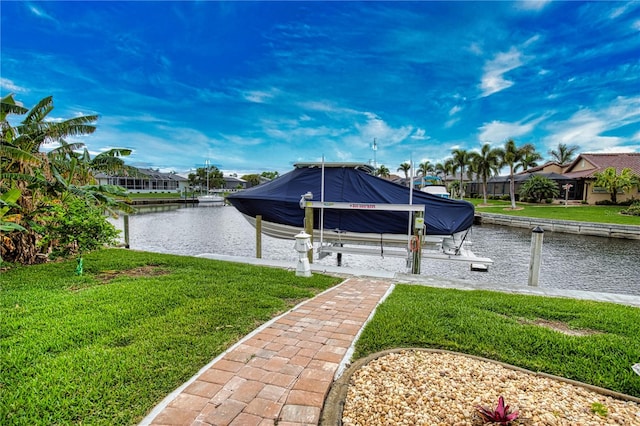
pixel 279 201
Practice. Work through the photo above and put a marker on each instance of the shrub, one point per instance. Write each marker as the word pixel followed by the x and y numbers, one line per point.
pixel 74 227
pixel 633 210
pixel 538 188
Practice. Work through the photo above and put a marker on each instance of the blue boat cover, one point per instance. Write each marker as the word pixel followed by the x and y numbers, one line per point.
pixel 278 201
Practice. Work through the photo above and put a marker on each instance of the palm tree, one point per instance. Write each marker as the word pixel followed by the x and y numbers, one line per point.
pixel 530 159
pixel 564 154
pixel 424 169
pixel 383 171
pixel 461 160
pixel 485 164
pixel 405 167
pixel 511 155
pixel 612 182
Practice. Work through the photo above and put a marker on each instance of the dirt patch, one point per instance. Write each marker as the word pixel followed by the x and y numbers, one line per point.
pixel 512 210
pixel 561 327
pixel 141 271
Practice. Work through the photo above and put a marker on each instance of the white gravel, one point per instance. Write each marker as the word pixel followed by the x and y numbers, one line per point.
pixel 425 388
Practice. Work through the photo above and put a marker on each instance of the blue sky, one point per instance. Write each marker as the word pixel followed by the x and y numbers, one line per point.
pixel 254 86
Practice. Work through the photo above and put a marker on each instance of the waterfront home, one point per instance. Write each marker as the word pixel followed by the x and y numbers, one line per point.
pixel 145 181
pixel 579 174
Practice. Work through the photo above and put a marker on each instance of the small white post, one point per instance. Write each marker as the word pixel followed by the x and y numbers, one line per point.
pixel 536 255
pixel 303 246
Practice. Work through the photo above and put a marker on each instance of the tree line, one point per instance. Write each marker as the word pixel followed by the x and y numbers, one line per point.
pixel 488 161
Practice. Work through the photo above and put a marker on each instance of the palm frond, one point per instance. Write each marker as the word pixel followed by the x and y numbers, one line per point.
pixel 8 106
pixel 40 111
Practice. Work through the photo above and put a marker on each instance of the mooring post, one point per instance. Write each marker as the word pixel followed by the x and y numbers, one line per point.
pixel 536 255
pixel 259 236
pixel 126 231
pixel 416 243
pixel 308 228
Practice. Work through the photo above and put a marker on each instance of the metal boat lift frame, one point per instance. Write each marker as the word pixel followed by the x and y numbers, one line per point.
pixel 476 262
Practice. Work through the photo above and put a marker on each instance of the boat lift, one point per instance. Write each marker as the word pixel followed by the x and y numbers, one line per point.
pixel 417 244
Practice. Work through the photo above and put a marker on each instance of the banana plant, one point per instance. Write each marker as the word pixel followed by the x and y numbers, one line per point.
pixel 8 221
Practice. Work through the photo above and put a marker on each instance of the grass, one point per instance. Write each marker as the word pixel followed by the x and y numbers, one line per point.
pixel 107 346
pixel 501 327
pixel 580 213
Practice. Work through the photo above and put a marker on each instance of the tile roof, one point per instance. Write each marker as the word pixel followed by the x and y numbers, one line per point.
pixel 603 161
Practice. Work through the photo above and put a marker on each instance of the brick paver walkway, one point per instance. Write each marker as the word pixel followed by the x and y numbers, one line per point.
pixel 281 374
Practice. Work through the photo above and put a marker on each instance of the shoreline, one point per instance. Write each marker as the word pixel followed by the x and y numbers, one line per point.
pixel 595 229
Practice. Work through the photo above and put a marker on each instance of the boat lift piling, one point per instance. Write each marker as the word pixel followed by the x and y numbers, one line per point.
pixel 259 236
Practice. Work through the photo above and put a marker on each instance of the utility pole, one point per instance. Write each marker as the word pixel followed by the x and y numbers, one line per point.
pixel 375 148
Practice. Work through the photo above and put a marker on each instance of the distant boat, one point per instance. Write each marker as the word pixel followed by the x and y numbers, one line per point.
pixel 211 199
pixel 217 199
pixel 367 212
pixel 437 190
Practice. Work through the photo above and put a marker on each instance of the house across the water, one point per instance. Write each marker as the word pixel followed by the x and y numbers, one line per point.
pixel 147 180
pixel 579 176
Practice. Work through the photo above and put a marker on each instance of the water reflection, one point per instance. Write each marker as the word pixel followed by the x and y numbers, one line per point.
pixel 568 261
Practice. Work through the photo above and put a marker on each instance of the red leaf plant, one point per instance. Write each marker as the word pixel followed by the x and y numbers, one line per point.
pixel 501 414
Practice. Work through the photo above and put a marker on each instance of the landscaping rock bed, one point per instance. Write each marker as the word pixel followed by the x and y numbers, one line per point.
pixel 416 387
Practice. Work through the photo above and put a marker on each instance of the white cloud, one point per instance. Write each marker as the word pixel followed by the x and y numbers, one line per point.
pixel 451 122
pixel 534 5
pixel 587 128
pixel 420 134
pixel 40 13
pixel 10 86
pixel 493 80
pixel 257 96
pixel 500 131
pixel 377 128
pixel 456 109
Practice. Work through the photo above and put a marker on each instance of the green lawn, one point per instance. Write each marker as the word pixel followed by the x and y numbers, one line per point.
pixel 581 213
pixel 501 327
pixel 106 347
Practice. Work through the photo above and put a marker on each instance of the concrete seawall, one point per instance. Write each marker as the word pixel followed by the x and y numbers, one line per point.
pixel 631 232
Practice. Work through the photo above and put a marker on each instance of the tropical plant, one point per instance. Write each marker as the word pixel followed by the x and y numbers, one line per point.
pixel 538 188
pixel 253 179
pixel 461 160
pixel 48 181
pixel 383 171
pixel 633 210
pixel 613 182
pixel 530 159
pixel 511 155
pixel 73 227
pixel 563 154
pixel 454 187
pixel 501 414
pixel 199 179
pixel 405 167
pixel 440 169
pixel 270 175
pixel 485 164
pixel 425 168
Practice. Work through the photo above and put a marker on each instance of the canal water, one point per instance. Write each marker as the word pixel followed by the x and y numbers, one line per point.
pixel 575 262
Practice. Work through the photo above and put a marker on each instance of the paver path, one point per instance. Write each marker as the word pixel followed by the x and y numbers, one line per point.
pixel 282 373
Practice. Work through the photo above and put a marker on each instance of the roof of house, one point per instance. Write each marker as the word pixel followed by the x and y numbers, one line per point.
pixel 600 162
pixel 233 179
pixel 149 173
